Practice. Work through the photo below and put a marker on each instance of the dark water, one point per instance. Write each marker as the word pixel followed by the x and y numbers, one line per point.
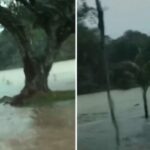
pixel 95 130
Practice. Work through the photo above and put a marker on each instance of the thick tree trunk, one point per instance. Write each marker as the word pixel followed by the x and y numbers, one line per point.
pixel 36 77
pixel 145 102
pixel 36 70
pixel 36 81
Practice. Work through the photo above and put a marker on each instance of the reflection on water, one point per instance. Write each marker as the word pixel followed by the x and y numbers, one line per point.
pixel 95 129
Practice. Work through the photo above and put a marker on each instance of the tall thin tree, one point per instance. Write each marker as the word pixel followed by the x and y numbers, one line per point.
pixel 143 81
pixel 101 27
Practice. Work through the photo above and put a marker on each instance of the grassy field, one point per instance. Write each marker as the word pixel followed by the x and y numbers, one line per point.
pixel 42 99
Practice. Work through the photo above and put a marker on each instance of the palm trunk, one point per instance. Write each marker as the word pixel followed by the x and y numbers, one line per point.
pixel 145 102
pixel 106 67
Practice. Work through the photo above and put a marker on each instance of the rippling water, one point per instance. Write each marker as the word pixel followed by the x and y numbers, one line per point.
pixel 95 130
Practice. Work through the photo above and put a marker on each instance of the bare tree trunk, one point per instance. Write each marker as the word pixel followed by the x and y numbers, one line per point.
pixel 145 102
pixel 105 61
pixel 142 80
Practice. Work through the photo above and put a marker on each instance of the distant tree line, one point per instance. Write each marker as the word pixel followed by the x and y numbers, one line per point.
pixel 126 54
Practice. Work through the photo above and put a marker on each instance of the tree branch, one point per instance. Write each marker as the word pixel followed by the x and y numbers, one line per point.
pixel 15 27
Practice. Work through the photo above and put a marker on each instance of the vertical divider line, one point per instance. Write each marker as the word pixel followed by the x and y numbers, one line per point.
pixel 76 107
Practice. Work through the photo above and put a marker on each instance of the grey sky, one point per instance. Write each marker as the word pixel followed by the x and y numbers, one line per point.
pixel 122 15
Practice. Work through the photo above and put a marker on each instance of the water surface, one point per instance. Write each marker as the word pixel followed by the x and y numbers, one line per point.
pixel 95 129
pixel 60 78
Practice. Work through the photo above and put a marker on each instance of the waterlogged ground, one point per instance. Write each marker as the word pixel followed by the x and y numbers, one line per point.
pixel 44 128
pixel 47 128
pixel 95 130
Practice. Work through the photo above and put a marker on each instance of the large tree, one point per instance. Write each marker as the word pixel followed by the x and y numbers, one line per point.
pixel 57 20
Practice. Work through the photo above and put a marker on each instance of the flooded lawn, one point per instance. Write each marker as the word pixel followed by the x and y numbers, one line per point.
pixel 60 78
pixel 40 128
pixel 44 128
pixel 95 130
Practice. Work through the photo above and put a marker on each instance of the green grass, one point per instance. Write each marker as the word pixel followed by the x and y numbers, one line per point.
pixel 42 99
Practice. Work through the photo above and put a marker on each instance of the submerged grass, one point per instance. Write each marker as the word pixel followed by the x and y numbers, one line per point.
pixel 47 99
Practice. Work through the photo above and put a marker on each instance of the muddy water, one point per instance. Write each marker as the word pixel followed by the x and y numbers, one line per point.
pixel 95 130
pixel 48 128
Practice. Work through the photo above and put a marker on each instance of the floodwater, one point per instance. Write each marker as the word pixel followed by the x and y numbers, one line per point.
pixel 44 128
pixel 95 129
pixel 61 77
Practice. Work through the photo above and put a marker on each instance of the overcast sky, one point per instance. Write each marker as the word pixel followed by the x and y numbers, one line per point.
pixel 122 15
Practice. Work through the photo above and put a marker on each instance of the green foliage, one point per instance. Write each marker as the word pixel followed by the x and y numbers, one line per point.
pixel 90 63
pixel 122 50
pixel 37 17
pixel 10 57
pixel 67 50
pixel 128 54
